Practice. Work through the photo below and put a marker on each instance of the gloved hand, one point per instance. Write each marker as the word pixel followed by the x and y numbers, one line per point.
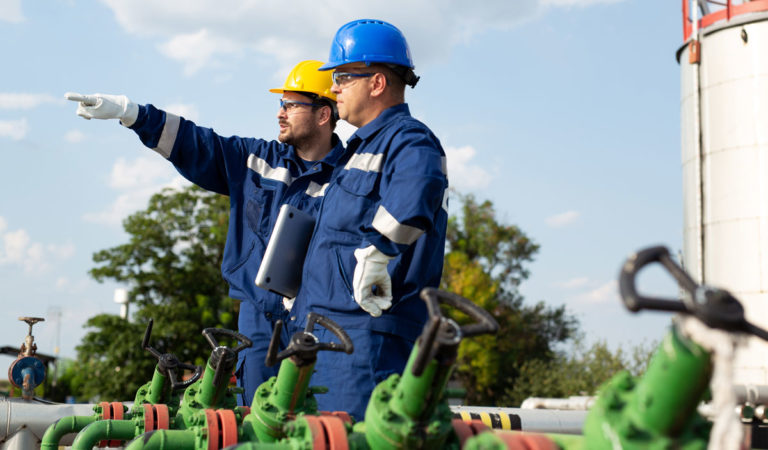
pixel 370 272
pixel 103 106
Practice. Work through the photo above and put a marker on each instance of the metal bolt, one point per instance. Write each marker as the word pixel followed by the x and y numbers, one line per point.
pixel 614 400
pixel 760 412
pixel 746 412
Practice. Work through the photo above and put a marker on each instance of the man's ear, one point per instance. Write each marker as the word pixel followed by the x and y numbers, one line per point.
pixel 378 84
pixel 325 115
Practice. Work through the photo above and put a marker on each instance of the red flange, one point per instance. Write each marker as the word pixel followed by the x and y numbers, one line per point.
pixel 335 431
pixel 106 414
pixel 212 421
pixel 478 427
pixel 117 414
pixel 343 415
pixel 319 439
pixel 463 430
pixel 539 442
pixel 149 417
pixel 516 440
pixel 162 417
pixel 228 427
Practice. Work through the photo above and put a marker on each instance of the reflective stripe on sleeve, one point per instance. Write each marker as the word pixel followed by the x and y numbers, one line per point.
pixel 168 136
pixel 444 165
pixel 445 201
pixel 367 162
pixel 316 190
pixel 395 231
pixel 261 167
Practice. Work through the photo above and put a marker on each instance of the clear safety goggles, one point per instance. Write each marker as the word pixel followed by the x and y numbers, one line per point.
pixel 342 78
pixel 291 105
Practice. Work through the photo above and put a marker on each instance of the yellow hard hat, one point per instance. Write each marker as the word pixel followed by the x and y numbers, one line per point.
pixel 306 78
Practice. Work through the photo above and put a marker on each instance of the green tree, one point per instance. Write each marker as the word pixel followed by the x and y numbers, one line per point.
pixel 580 371
pixel 486 262
pixel 171 267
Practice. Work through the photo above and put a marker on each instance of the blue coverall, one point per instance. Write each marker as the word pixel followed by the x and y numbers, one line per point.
pixel 390 191
pixel 258 176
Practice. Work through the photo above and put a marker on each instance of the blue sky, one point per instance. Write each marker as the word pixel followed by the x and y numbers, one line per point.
pixel 564 113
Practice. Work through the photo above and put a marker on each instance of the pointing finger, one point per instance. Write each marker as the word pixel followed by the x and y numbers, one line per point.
pixel 86 100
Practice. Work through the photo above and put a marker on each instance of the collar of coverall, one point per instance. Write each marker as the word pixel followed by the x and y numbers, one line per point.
pixel 337 151
pixel 378 123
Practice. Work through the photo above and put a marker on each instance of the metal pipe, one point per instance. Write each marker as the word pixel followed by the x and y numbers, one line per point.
pixel 530 420
pixel 695 45
pixel 63 427
pixel 119 430
pixel 36 415
pixel 751 393
pixel 572 403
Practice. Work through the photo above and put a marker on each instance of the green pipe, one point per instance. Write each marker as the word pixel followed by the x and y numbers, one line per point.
pixel 290 391
pixel 164 440
pixel 119 430
pixel 209 394
pixel 673 385
pixel 259 446
pixel 63 427
pixel 418 397
pixel 156 390
pixel 276 399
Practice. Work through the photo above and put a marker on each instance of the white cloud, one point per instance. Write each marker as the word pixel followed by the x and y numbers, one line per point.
pixel 607 293
pixel 199 33
pixel 10 11
pixel 74 136
pixel 13 100
pixel 196 50
pixel 136 181
pixel 141 172
pixel 62 282
pixel 14 129
pixel 562 219
pixel 18 249
pixel 185 110
pixel 65 285
pixel 577 3
pixel 462 174
pixel 574 283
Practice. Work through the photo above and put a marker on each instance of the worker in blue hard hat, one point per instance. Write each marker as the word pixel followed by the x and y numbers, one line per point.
pixel 380 232
pixel 258 175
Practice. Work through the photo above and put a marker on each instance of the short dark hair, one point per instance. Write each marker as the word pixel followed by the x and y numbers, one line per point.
pixel 403 76
pixel 320 102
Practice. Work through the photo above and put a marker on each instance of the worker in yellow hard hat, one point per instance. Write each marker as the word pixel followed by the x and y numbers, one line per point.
pixel 258 175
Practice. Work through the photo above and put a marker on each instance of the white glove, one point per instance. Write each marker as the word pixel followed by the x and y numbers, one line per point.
pixel 103 106
pixel 370 272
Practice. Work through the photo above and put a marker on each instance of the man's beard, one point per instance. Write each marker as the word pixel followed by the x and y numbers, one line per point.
pixel 297 140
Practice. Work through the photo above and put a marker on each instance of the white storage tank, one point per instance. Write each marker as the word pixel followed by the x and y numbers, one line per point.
pixel 724 133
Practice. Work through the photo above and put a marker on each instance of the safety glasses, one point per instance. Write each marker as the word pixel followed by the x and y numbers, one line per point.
pixel 341 78
pixel 291 105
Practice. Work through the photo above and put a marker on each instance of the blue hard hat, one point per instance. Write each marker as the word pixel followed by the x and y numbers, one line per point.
pixel 369 41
